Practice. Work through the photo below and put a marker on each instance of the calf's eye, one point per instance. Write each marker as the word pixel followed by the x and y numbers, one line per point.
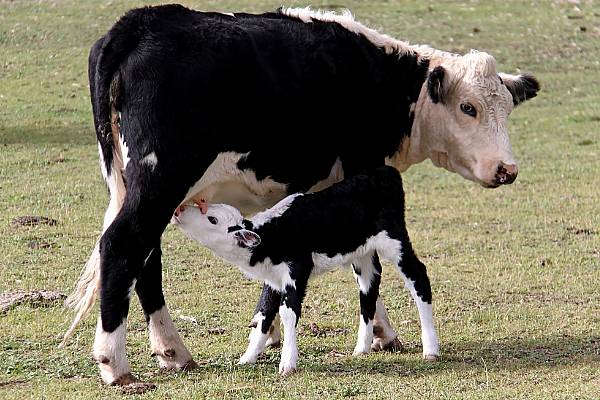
pixel 213 220
pixel 468 109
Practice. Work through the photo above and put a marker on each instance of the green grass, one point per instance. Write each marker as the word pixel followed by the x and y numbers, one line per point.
pixel 515 271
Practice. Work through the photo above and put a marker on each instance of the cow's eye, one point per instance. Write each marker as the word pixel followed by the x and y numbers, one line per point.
pixel 468 109
pixel 213 220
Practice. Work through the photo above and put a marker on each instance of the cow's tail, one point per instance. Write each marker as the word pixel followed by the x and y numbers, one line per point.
pixel 105 59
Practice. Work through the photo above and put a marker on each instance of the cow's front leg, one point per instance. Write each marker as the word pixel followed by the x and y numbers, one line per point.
pixel 274 334
pixel 367 272
pixel 289 311
pixel 262 325
pixel 165 342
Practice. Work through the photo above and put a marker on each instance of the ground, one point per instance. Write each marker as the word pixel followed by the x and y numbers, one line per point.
pixel 514 271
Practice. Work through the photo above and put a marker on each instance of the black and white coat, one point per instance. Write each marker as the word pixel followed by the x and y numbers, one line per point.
pixel 357 222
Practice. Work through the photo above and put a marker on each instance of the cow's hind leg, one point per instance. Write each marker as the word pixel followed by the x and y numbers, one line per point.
pixel 367 272
pixel 385 337
pixel 124 247
pixel 165 342
pixel 262 325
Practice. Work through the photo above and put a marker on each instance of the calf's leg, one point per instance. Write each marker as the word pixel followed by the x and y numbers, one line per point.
pixel 262 324
pixel 289 311
pixel 367 272
pixel 417 282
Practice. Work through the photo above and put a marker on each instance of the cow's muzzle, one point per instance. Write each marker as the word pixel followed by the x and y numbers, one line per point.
pixel 505 174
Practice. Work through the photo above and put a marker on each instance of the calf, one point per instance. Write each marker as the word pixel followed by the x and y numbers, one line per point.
pixel 353 222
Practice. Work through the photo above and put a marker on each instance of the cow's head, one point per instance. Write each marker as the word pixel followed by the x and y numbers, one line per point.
pixel 462 118
pixel 222 229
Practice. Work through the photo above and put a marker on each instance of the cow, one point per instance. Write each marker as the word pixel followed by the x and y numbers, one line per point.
pixel 355 222
pixel 242 109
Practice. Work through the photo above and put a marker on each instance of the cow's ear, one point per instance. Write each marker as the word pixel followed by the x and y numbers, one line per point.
pixel 435 84
pixel 521 87
pixel 246 238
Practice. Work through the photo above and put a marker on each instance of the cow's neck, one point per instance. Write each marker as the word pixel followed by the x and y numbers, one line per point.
pixel 413 148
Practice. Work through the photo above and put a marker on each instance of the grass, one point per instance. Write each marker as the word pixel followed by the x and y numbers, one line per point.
pixel 515 271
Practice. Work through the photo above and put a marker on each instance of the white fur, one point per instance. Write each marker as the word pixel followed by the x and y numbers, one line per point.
pixel 124 151
pixel 257 341
pixel 163 337
pixel 289 352
pixel 111 346
pixel 431 346
pixel 346 19
pixel 150 160
pixel 381 320
pixel 365 337
pixel 275 211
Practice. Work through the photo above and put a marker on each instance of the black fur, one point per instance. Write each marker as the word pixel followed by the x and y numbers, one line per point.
pixel 523 88
pixel 335 221
pixel 295 96
pixel 435 84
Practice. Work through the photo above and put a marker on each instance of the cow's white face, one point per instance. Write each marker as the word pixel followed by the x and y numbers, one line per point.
pixel 462 118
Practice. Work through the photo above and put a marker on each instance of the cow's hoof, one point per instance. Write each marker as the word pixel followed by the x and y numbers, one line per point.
pixel 392 346
pixel 190 366
pixel 124 380
pixel 431 357
pixel 274 344
pixel 138 388
pixel 247 359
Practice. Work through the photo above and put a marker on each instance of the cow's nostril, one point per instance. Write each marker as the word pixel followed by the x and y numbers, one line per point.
pixel 506 174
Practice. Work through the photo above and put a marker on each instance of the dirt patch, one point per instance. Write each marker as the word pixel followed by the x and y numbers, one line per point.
pixel 13 383
pixel 314 330
pixel 36 298
pixel 33 220
pixel 581 231
pixel 137 388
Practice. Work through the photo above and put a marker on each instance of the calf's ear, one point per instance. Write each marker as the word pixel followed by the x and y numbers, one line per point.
pixel 246 238
pixel 521 87
pixel 436 87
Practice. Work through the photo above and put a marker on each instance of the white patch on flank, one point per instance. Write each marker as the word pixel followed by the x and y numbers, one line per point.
pixel 257 341
pixel 224 182
pixel 124 151
pixel 346 19
pixel 111 347
pixel 336 175
pixel 164 338
pixel 289 352
pixel 431 345
pixel 365 337
pixel 150 160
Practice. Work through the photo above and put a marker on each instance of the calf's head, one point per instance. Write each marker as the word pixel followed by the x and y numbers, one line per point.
pixel 463 115
pixel 222 229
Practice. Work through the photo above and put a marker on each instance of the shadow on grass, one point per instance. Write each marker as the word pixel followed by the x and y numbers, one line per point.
pixel 70 134
pixel 509 354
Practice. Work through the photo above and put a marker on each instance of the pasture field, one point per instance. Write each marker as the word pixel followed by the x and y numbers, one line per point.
pixel 515 271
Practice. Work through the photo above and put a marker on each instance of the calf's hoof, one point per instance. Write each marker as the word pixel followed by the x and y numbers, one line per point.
pixel 247 359
pixel 431 357
pixel 392 346
pixel 286 370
